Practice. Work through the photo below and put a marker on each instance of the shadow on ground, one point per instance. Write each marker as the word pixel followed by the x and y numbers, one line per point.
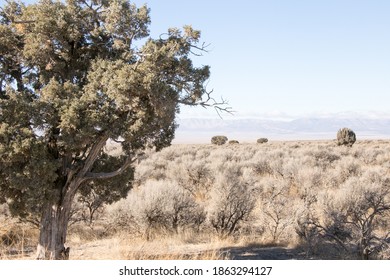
pixel 256 252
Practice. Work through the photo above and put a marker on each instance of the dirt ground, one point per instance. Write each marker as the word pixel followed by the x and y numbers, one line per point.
pixel 264 253
pixel 113 250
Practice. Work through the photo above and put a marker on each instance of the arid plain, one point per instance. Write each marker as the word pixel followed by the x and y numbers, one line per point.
pixel 275 200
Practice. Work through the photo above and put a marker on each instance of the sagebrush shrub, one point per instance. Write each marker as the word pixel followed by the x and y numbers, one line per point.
pixel 196 178
pixel 355 217
pixel 232 202
pixel 276 208
pixel 290 187
pixel 163 206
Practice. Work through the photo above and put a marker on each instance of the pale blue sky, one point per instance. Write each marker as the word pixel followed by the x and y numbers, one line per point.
pixel 291 57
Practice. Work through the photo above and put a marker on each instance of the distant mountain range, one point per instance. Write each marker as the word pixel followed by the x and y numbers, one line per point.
pixel 200 130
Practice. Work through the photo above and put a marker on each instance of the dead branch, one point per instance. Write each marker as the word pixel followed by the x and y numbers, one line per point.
pixel 210 102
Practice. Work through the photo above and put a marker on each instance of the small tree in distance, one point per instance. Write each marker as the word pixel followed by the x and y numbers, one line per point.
pixel 219 140
pixel 71 78
pixel 346 137
pixel 262 140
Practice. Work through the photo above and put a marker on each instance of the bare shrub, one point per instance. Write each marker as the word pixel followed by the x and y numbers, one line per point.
pixel 121 219
pixel 307 231
pixel 17 239
pixel 195 177
pixel 219 140
pixel 325 158
pixel 355 217
pixel 153 167
pixel 384 252
pixel 232 202
pixel 306 218
pixel 346 137
pixel 262 167
pixel 162 206
pixel 276 209
pixel 310 181
pixel 234 142
pixel 346 168
pixel 219 157
pixel 87 209
pixel 365 207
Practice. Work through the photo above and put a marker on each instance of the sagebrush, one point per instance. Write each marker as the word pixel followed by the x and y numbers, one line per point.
pixel 332 202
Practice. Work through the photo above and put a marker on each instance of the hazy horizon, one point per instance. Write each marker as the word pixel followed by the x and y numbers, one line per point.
pixel 199 130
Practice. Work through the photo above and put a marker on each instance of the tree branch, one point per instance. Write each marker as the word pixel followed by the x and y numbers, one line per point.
pixel 330 235
pixel 91 158
pixel 23 21
pixel 201 49
pixel 219 106
pixel 102 175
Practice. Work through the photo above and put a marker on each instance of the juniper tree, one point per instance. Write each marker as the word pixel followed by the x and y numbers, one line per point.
pixel 73 75
pixel 346 137
pixel 219 140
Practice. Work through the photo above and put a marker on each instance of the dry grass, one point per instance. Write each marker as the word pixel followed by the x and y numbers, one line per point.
pixel 17 240
pixel 124 247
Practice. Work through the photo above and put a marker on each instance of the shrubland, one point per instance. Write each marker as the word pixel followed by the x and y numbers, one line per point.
pixel 330 201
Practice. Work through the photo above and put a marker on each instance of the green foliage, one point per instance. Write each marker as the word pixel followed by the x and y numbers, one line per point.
pixel 72 76
pixel 219 140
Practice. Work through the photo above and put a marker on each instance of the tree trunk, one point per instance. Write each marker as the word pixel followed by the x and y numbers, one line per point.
pixel 55 216
pixel 53 230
